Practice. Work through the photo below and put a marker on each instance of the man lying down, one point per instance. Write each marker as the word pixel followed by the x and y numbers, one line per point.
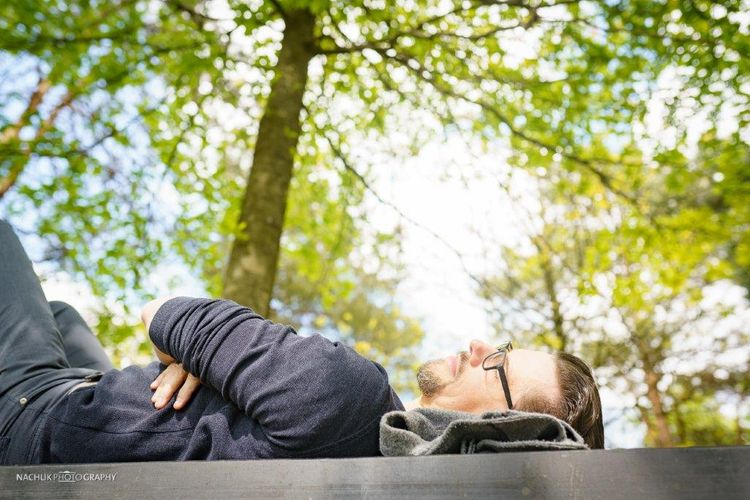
pixel 232 385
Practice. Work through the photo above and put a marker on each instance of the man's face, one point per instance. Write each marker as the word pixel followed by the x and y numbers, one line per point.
pixel 459 382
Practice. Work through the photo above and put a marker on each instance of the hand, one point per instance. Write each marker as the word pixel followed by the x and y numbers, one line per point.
pixel 174 378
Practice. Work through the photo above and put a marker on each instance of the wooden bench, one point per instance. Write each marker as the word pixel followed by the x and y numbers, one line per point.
pixel 714 473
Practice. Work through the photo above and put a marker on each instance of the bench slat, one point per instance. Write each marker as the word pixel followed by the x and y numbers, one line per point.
pixel 716 473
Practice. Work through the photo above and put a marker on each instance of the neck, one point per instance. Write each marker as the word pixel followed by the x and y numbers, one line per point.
pixel 411 405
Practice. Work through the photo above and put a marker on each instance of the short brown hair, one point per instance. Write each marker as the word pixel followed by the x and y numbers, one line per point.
pixel 581 406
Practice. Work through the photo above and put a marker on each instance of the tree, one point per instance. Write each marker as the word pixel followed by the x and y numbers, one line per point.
pixel 233 99
pixel 104 158
pixel 439 56
pixel 598 279
pixel 75 168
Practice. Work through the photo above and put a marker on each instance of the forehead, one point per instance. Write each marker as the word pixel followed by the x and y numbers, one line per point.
pixel 527 367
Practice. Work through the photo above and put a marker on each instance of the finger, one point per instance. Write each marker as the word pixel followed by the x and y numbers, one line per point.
pixel 192 383
pixel 168 387
pixel 173 380
pixel 157 380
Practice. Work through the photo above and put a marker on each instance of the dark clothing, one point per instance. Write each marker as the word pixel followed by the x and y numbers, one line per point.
pixel 269 394
pixel 45 349
pixel 266 393
pixel 82 348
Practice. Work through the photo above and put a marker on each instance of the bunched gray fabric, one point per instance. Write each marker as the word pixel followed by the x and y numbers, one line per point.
pixel 428 431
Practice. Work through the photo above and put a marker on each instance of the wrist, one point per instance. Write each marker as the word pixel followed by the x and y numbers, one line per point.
pixel 163 357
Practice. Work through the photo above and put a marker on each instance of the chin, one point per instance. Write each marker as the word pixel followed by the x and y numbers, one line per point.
pixel 431 377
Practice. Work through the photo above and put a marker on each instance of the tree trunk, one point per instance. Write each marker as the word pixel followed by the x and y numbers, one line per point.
pixel 558 322
pixel 251 270
pixel 738 422
pixel 681 426
pixel 658 428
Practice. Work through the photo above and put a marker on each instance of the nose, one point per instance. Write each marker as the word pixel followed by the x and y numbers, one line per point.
pixel 479 350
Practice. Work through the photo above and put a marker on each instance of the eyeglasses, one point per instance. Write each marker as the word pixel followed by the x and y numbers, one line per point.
pixel 496 361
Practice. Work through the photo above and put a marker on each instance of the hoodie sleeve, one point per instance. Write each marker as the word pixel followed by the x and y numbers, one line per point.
pixel 305 392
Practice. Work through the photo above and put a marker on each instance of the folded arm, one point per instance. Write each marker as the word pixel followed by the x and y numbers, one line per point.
pixel 298 388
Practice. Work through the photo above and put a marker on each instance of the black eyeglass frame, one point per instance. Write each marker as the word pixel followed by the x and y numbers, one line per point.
pixel 500 356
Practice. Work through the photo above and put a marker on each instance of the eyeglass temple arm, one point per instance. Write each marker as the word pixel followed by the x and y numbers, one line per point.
pixel 506 390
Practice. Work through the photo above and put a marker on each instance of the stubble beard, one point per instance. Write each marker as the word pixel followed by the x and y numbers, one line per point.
pixel 429 381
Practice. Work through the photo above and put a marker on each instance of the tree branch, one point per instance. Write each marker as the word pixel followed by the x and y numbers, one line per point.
pixel 417 30
pixel 420 72
pixel 279 9
pixel 348 167
pixel 17 166
pixel 11 132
